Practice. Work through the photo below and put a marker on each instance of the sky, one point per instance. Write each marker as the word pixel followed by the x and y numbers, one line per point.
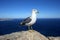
pixel 23 8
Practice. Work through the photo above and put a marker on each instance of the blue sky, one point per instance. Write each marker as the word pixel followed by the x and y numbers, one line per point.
pixel 22 8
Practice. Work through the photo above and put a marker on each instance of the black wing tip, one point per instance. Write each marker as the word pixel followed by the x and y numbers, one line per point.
pixel 22 23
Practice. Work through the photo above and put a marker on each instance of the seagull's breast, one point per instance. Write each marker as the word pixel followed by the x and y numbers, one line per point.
pixel 33 20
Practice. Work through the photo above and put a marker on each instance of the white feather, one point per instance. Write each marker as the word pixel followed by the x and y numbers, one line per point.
pixel 33 18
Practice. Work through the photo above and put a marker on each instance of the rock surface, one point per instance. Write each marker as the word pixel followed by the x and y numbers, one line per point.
pixel 54 38
pixel 25 35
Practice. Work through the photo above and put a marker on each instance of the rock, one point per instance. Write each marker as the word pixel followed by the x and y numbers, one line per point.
pixel 24 35
pixel 54 38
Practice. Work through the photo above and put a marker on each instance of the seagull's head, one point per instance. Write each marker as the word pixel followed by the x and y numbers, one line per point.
pixel 35 11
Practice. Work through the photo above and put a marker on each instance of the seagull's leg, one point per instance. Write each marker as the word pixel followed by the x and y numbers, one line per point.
pixel 31 28
pixel 28 27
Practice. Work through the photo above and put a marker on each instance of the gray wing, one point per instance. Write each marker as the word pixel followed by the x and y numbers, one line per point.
pixel 27 20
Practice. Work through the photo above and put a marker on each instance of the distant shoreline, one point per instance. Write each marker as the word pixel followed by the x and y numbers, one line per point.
pixel 4 19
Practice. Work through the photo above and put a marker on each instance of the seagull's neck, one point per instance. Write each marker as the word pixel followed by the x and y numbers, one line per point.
pixel 33 15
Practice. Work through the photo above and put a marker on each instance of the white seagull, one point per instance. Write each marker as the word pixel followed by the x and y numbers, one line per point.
pixel 30 20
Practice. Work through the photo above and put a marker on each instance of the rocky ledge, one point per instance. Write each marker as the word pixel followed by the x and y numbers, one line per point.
pixel 26 35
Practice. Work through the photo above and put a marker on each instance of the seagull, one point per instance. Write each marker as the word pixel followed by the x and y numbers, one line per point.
pixel 29 21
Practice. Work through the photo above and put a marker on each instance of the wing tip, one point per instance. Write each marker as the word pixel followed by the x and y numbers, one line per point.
pixel 22 23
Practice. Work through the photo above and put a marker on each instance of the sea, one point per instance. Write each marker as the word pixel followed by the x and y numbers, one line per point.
pixel 46 26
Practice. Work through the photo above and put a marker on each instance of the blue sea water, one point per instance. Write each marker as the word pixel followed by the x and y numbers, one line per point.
pixel 47 27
